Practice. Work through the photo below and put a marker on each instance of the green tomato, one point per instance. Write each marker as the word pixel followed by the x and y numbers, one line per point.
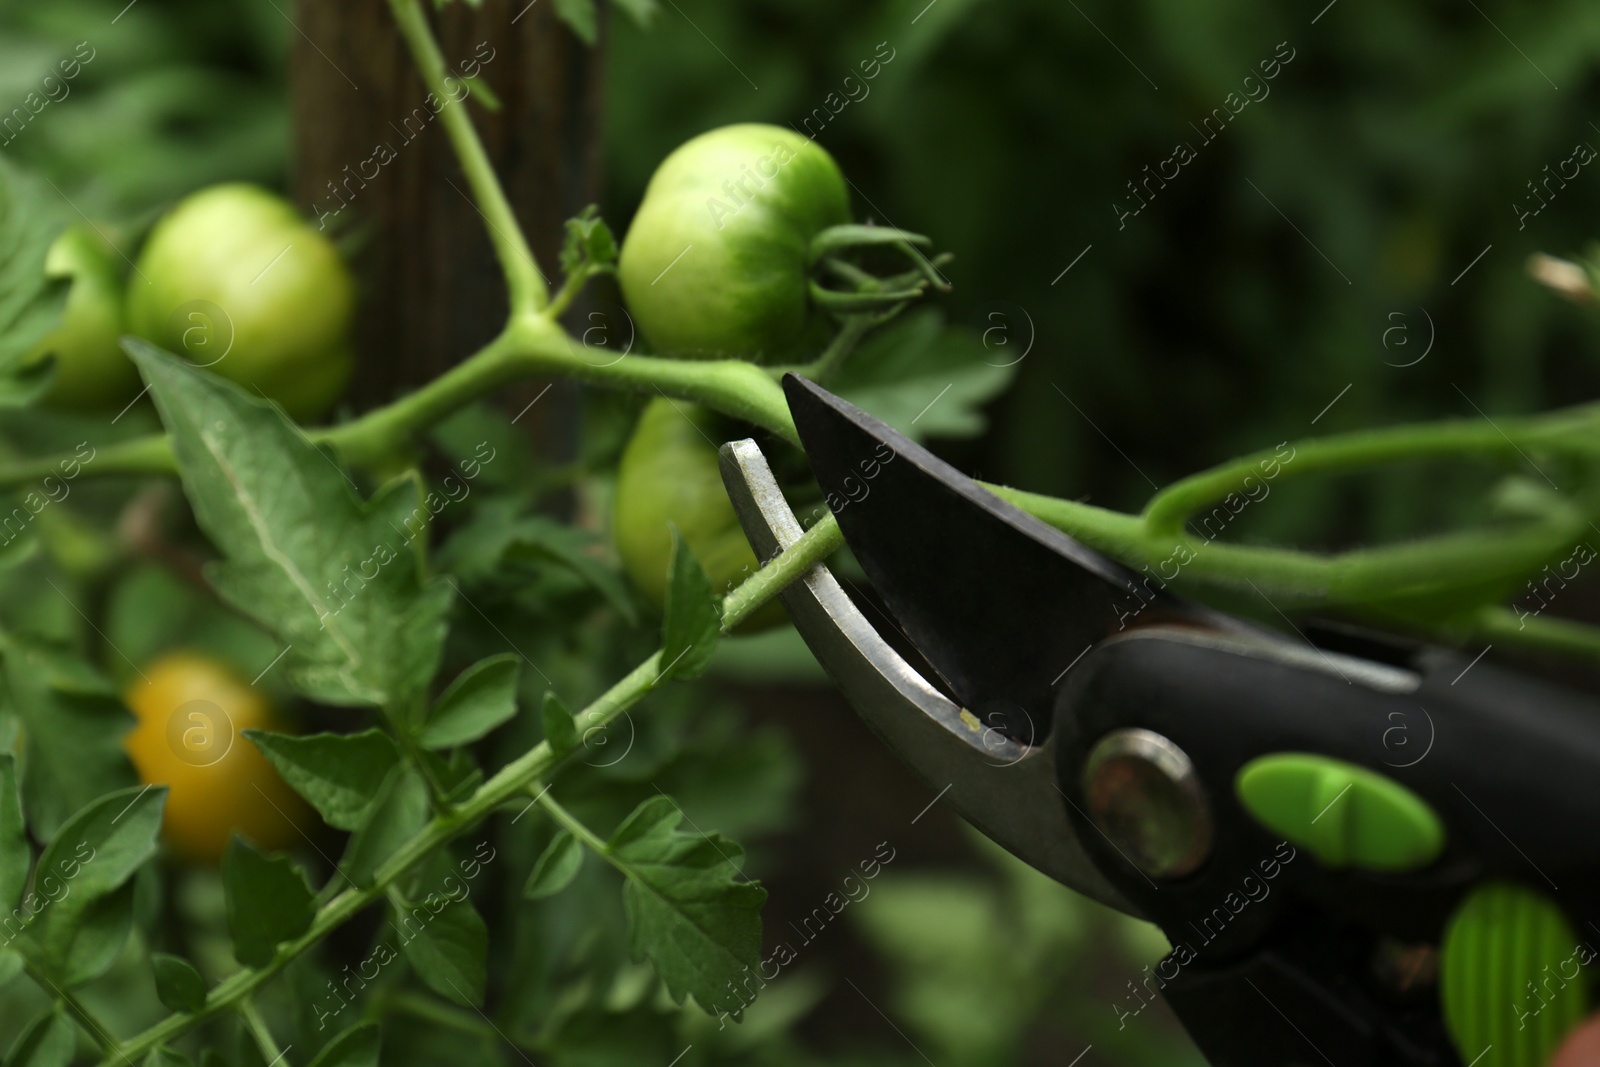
pixel 668 477
pixel 234 280
pixel 92 373
pixel 715 263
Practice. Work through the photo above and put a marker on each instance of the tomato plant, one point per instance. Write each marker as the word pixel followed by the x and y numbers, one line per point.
pixel 510 814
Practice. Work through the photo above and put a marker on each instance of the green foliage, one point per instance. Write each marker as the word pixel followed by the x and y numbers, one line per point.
pixel 483 697
pixel 85 873
pixel 30 303
pixel 178 984
pixel 692 622
pixel 355 1047
pixel 1168 339
pixel 15 855
pixel 558 865
pixel 340 774
pixel 690 911
pixel 269 901
pixel 298 544
pixel 49 1041
pixel 589 245
pixel 559 730
pixel 446 942
pixel 581 16
pixel 925 379
pixel 72 723
pixel 400 810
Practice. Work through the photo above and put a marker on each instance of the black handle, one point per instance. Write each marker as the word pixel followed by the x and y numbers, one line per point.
pixel 1510 765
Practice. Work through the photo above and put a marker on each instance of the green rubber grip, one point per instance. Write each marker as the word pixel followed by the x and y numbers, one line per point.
pixel 1513 976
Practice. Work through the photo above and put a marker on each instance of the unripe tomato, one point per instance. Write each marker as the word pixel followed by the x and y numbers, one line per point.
pixel 234 280
pixel 191 711
pixel 669 477
pixel 92 372
pixel 715 262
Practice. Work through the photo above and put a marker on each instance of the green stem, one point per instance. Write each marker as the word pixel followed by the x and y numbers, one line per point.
pixel 373 436
pixel 259 1031
pixel 843 345
pixel 815 545
pixel 576 828
pixel 1544 633
pixel 1368 582
pixel 528 289
pixel 401 728
pixel 528 348
pixel 1508 439
pixel 140 455
pixel 98 1032
pixel 733 387
pixel 510 781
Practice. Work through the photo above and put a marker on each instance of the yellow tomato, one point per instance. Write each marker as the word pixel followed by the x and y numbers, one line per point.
pixel 192 711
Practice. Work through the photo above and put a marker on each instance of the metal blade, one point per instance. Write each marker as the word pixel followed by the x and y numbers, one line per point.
pixel 1000 604
pixel 1006 789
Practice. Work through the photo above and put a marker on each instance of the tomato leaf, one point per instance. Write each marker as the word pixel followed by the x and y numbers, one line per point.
pixel 927 379
pixel 31 218
pixel 495 536
pixel 72 725
pixel 356 1047
pixel 337 578
pixel 269 901
pixel 582 17
pixel 98 938
pixel 643 12
pixel 693 620
pixel 589 245
pixel 483 697
pixel 400 811
pixel 559 728
pixel 83 878
pixel 689 913
pixel 15 855
pixel 178 985
pixel 558 865
pixel 49 1041
pixel 446 947
pixel 340 774
pixel 478 89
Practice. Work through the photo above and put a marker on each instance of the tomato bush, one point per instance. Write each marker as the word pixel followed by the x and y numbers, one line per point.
pixel 508 807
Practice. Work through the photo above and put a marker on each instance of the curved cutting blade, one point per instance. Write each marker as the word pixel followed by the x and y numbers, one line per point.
pixel 1000 604
pixel 1004 788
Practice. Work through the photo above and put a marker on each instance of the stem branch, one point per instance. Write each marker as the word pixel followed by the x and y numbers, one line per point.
pixel 510 781
pixel 526 284
pixel 259 1031
pixel 1508 439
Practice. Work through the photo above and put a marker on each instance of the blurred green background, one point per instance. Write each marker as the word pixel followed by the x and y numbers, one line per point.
pixel 1362 210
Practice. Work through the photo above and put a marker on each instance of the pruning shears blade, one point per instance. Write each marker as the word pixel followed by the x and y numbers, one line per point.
pixel 1000 604
pixel 1005 788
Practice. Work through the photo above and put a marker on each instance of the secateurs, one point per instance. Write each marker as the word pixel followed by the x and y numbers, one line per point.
pixel 1331 894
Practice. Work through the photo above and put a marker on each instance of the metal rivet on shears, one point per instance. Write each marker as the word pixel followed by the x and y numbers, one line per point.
pixel 1144 795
